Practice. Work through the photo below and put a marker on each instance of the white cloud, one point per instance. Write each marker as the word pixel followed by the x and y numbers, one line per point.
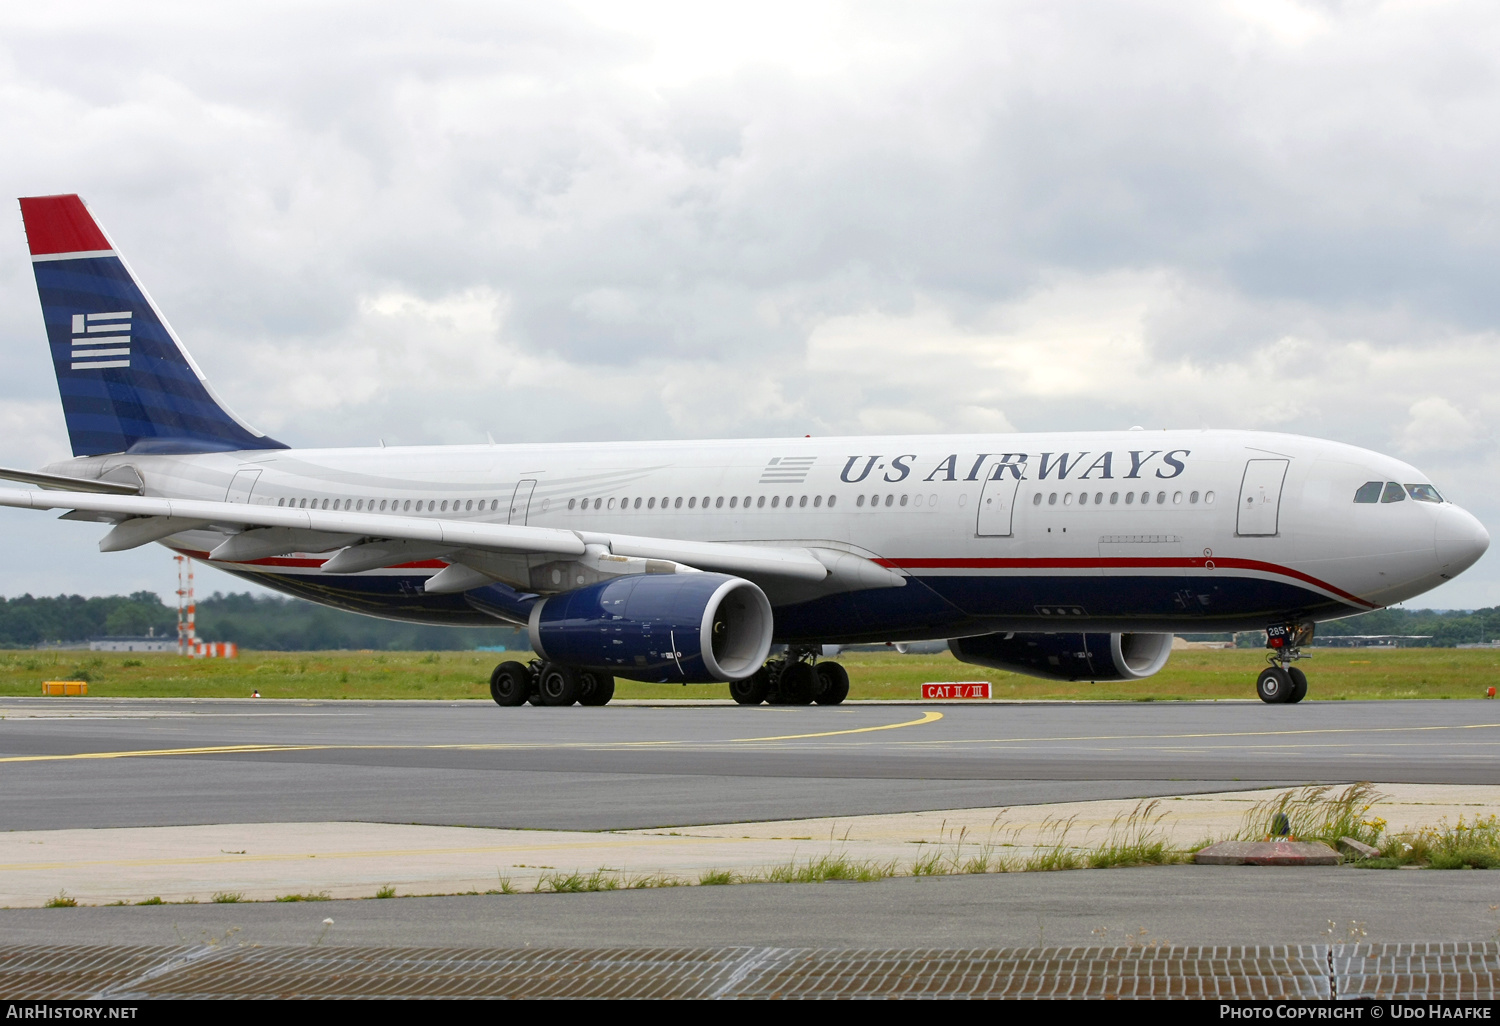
pixel 625 220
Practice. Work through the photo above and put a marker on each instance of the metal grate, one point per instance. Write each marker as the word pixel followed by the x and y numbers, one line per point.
pixel 1459 970
pixel 1288 971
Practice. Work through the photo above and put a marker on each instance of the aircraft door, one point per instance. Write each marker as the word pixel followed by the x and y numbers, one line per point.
pixel 520 505
pixel 241 487
pixel 1260 498
pixel 996 505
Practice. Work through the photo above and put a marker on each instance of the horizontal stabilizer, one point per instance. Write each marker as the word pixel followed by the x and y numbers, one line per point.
pixel 58 482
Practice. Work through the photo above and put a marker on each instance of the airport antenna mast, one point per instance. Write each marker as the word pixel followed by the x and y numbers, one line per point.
pixel 187 607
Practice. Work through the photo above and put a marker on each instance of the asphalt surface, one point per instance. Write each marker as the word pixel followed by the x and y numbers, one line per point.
pixel 1153 905
pixel 98 762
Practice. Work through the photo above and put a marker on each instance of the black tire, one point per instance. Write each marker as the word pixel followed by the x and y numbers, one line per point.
pixel 1274 685
pixel 833 683
pixel 509 684
pixel 558 685
pixel 1299 685
pixel 753 689
pixel 595 688
pixel 798 684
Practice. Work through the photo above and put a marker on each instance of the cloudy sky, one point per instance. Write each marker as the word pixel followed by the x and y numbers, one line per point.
pixel 588 221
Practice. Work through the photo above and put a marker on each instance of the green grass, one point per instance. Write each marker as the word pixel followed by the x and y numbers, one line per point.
pixel 386 892
pixel 232 897
pixel 1191 674
pixel 1318 814
pixel 319 896
pixel 152 901
pixel 1467 845
pixel 61 901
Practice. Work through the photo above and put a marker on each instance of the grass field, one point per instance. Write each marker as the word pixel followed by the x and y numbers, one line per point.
pixel 1335 674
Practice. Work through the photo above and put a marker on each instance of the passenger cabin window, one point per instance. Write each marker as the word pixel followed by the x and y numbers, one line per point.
pixel 1369 491
pixel 1393 493
pixel 1423 493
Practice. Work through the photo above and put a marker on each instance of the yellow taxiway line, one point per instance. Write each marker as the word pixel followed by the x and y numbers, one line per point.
pixel 927 717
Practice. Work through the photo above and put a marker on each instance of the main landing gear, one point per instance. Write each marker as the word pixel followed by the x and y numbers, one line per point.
pixel 540 683
pixel 1281 682
pixel 793 678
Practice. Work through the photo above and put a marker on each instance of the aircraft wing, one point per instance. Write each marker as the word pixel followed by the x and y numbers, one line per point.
pixel 271 530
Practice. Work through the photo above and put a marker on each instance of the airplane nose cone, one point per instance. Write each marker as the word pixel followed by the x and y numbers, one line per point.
pixel 1458 540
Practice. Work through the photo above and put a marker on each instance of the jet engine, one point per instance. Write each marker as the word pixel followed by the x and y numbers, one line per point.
pixel 1068 656
pixel 690 628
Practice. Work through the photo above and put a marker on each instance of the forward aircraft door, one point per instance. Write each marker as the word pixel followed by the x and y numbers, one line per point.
pixel 242 485
pixel 1260 497
pixel 996 505
pixel 520 505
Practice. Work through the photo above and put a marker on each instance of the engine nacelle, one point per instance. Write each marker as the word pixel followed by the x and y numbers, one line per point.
pixel 680 628
pixel 1068 656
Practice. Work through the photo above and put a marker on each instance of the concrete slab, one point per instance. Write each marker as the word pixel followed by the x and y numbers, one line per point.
pixel 1267 853
pixel 263 861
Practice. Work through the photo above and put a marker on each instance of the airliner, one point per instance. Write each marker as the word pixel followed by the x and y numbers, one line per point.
pixel 1069 555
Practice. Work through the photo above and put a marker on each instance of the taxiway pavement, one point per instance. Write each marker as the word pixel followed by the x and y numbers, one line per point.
pixel 79 763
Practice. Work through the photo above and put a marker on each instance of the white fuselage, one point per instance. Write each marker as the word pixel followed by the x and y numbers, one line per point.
pixel 1103 530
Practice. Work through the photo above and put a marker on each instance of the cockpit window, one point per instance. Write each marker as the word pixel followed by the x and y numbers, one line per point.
pixel 1423 493
pixel 1393 493
pixel 1369 491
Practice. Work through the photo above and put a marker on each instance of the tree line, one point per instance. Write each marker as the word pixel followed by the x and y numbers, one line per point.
pixel 276 623
pixel 266 622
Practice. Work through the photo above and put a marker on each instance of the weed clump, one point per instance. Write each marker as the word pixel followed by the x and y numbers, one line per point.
pixel 319 896
pixel 156 900
pixel 386 892
pixel 1466 845
pixel 1317 814
pixel 62 901
pixel 226 898
pixel 1135 840
pixel 829 867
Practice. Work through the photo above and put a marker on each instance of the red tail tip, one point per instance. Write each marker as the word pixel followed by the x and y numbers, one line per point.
pixel 60 224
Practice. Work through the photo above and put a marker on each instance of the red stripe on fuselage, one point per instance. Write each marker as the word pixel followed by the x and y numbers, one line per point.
pixel 1045 563
pixel 1122 562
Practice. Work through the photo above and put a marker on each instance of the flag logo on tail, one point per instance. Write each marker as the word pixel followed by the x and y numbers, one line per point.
pixel 101 340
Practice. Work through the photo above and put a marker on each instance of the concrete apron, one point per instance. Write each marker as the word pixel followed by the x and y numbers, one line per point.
pixel 263 861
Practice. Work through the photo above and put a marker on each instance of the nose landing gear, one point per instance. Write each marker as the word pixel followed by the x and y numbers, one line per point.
pixel 1281 682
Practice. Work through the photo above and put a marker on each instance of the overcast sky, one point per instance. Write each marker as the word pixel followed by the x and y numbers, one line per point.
pixel 624 220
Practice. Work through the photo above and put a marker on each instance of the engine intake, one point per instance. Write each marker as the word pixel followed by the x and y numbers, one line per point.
pixel 690 628
pixel 1068 656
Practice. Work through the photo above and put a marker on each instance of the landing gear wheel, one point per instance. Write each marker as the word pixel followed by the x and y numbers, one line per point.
pixel 559 685
pixel 753 689
pixel 595 688
pixel 509 684
pixel 1299 685
pixel 798 684
pixel 833 684
pixel 1274 685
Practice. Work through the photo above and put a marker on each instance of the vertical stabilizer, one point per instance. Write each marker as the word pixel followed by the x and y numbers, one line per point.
pixel 127 383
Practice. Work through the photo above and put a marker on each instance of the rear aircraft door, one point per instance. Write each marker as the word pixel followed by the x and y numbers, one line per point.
pixel 520 505
pixel 1260 497
pixel 242 485
pixel 996 505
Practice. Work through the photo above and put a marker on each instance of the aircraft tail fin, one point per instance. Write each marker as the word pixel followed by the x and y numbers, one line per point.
pixel 127 383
